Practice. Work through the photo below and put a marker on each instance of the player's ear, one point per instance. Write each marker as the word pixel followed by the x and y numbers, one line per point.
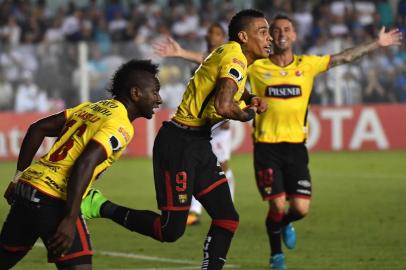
pixel 243 36
pixel 294 35
pixel 135 93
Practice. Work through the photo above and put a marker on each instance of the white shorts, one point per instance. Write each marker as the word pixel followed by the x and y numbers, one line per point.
pixel 221 143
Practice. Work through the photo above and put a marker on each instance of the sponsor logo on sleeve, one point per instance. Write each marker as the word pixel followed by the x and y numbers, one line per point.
pixel 114 143
pixel 236 74
pixel 239 62
pixel 125 134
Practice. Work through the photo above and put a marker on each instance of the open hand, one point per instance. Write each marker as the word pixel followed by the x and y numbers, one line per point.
pixel 62 240
pixel 393 37
pixel 167 48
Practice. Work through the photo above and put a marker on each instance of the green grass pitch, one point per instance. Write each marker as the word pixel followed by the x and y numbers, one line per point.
pixel 357 219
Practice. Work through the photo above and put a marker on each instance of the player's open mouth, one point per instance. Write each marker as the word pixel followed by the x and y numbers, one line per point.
pixel 268 49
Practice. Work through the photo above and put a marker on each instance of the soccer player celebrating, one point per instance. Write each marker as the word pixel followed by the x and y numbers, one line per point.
pixel 221 135
pixel 184 163
pixel 45 196
pixel 285 81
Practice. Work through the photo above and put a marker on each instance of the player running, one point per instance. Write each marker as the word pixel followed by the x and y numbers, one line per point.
pixel 45 196
pixel 221 135
pixel 184 163
pixel 285 81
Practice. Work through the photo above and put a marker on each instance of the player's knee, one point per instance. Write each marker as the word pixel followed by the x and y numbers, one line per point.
pixel 9 259
pixel 301 211
pixel 172 235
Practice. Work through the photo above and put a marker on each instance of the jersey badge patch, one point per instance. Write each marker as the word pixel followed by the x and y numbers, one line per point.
pixel 114 143
pixel 299 73
pixel 236 74
pixel 182 198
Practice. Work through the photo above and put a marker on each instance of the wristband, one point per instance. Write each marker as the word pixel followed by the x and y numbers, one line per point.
pixel 17 176
pixel 248 100
pixel 251 114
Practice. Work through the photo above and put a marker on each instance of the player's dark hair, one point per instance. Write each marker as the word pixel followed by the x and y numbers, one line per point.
pixel 281 17
pixel 134 73
pixel 240 22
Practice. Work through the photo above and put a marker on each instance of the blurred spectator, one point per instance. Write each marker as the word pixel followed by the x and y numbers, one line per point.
pixel 11 32
pixel 28 97
pixel 117 26
pixel 32 36
pixel 71 25
pixel 55 32
pixel 385 13
pixel 171 87
pixel 374 90
pixel 6 94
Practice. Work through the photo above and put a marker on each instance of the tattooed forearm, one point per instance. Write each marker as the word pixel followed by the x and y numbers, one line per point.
pixel 351 54
pixel 225 104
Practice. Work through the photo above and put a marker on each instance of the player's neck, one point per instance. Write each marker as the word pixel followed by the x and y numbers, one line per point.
pixel 132 114
pixel 282 59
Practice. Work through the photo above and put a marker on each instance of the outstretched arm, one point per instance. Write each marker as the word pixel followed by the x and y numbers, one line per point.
pixel 393 37
pixel 170 48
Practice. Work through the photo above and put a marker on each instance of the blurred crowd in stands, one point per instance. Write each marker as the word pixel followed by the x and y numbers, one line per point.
pixel 39 63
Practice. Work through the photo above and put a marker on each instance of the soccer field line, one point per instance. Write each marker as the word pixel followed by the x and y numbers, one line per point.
pixel 192 264
pixel 323 173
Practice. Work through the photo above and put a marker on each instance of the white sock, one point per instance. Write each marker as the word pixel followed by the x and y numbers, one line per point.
pixel 195 206
pixel 231 182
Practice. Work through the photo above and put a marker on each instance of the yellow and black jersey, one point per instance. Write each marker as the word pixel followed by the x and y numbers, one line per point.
pixel 197 106
pixel 105 122
pixel 287 91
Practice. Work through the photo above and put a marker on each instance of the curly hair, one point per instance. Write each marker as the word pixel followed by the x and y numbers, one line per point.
pixel 134 73
pixel 240 22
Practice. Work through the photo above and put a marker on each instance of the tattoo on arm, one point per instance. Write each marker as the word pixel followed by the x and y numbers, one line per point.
pixel 225 104
pixel 351 54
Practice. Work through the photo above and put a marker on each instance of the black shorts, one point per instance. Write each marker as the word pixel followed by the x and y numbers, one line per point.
pixel 184 165
pixel 35 215
pixel 282 169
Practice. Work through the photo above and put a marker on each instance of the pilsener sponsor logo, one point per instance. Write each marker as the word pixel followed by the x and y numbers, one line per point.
pixel 283 91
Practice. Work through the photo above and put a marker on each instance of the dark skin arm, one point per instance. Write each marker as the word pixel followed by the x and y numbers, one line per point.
pixel 50 126
pixel 393 37
pixel 80 177
pixel 225 104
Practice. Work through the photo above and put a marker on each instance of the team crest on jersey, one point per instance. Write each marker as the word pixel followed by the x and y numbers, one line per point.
pixel 114 143
pixel 268 190
pixel 182 198
pixel 267 75
pixel 283 91
pixel 299 73
pixel 236 74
